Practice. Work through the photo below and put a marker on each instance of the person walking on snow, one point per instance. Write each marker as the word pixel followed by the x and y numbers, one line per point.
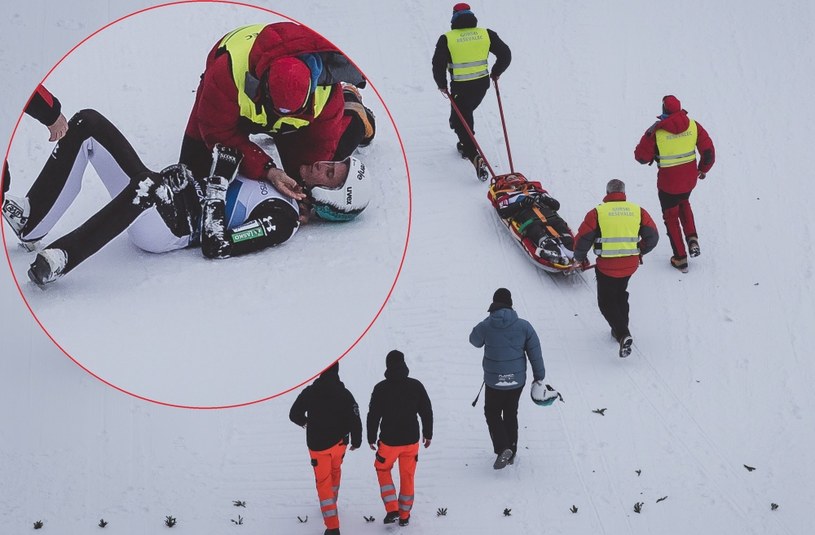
pixel 673 141
pixel 395 403
pixel 463 52
pixel 508 342
pixel 282 80
pixel 621 232
pixel 330 415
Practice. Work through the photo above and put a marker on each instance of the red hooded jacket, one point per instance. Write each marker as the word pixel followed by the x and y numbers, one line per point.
pixel 616 266
pixel 681 178
pixel 215 117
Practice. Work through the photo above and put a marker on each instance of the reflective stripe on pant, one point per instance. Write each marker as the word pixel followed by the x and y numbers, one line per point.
pixel 386 456
pixel 327 466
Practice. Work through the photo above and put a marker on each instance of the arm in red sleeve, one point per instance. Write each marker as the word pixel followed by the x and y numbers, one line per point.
pixel 44 106
pixel 707 153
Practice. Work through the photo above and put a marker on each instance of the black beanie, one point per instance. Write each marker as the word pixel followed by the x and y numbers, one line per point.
pixel 395 366
pixel 334 370
pixel 502 297
pixel 394 358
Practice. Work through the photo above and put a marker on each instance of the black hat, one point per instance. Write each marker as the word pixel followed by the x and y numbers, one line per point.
pixel 502 296
pixel 334 370
pixel 395 365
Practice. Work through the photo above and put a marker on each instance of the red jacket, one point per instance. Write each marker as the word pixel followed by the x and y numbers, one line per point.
pixel 215 117
pixel 618 266
pixel 680 178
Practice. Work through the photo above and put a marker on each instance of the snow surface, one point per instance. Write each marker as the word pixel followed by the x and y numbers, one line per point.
pixel 721 375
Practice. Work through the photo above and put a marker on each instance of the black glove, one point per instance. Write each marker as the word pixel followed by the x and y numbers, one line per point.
pixel 527 202
pixel 551 202
pixel 225 162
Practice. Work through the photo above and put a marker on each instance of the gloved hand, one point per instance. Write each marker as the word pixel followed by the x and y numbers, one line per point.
pixel 526 202
pixel 702 175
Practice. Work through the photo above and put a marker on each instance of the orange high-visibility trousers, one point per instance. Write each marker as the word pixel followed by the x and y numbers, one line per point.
pixel 386 456
pixel 327 466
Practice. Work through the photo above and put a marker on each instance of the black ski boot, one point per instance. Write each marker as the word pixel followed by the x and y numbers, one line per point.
pixel 625 346
pixel 48 266
pixel 404 521
pixel 481 170
pixel 391 517
pixel 693 247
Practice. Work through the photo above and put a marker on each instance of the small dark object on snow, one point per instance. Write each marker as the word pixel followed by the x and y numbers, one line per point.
pixel 38 524
pixel 303 520
pixel 638 507
pixel 756 284
pixel 238 522
pixel 239 503
pixel 170 521
pixel 662 499
pixel 442 511
pixel 573 508
pixel 368 518
pixel 601 412
pixel 639 472
pixel 507 512
pixel 773 506
pixel 749 468
pixel 102 523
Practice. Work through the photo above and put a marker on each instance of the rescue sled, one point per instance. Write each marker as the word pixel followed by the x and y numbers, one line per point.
pixel 539 230
pixel 553 250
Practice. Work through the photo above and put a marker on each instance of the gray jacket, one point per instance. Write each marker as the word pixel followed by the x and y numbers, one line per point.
pixel 508 341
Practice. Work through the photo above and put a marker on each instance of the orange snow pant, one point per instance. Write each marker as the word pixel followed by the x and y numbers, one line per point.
pixel 327 466
pixel 386 456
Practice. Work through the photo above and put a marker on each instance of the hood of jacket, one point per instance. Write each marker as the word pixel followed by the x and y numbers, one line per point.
pixel 502 318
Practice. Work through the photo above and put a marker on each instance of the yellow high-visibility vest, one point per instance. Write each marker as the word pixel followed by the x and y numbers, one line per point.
pixel 238 44
pixel 676 149
pixel 469 49
pixel 619 223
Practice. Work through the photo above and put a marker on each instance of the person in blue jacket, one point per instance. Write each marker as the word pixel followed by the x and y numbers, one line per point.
pixel 508 342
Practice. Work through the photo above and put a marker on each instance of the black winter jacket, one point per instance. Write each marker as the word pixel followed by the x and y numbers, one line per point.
pixel 329 412
pixel 395 402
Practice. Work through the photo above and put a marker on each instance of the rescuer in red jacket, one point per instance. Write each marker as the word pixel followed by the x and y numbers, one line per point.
pixel 673 142
pixel 279 79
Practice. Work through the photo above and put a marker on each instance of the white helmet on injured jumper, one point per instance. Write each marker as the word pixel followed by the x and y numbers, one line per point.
pixel 346 201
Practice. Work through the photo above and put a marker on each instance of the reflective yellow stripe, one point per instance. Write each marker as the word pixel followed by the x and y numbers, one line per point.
pixel 676 149
pixel 619 223
pixel 237 44
pixel 469 49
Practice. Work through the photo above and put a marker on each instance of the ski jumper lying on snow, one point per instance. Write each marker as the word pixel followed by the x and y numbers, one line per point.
pixel 226 214
pixel 531 214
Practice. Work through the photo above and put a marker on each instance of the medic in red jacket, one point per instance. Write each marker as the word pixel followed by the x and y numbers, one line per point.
pixel 279 79
pixel 673 142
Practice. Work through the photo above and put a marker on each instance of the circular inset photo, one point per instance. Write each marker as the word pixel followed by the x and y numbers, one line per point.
pixel 217 208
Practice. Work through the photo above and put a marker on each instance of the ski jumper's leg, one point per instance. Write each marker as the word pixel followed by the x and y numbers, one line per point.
pixel 111 220
pixel 408 457
pixel 383 463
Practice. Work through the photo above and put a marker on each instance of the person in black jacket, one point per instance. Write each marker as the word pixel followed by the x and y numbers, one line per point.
pixel 329 413
pixel 463 51
pixel 47 109
pixel 395 402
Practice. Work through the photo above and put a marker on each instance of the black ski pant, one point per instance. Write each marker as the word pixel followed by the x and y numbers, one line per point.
pixel 612 298
pixel 467 96
pixel 501 412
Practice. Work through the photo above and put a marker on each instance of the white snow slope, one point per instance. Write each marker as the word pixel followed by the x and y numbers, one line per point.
pixel 720 376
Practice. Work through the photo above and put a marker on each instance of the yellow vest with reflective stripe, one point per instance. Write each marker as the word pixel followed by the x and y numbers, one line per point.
pixel 238 44
pixel 676 149
pixel 469 49
pixel 619 223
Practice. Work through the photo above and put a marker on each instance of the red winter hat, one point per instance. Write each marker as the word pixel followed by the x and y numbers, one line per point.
pixel 461 7
pixel 289 84
pixel 670 104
